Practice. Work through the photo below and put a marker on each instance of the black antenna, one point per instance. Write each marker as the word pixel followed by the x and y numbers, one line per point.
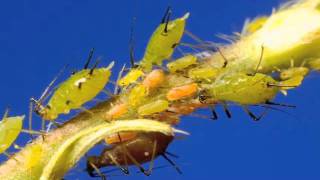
pixel 167 22
pixel 89 59
pixel 164 18
pixel 131 43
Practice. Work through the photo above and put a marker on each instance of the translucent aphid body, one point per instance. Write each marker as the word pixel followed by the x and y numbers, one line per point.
pixel 182 92
pixel 153 107
pixel 154 79
pixel 80 88
pixel 204 73
pixel 117 111
pixel 182 63
pixel 244 89
pixel 137 95
pixel 292 72
pixel 10 128
pixel 132 76
pixel 163 41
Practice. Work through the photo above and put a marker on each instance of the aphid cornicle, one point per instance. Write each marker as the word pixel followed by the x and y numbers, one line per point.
pixel 144 148
pixel 80 88
pixel 10 128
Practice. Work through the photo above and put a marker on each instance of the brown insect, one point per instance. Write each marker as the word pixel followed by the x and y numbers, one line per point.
pixel 144 148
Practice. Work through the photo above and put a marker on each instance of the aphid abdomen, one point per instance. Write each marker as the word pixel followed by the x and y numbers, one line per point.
pixel 182 92
pixel 205 73
pixel 153 107
pixel 245 89
pixel 10 128
pixel 132 76
pixel 137 95
pixel 77 90
pixel 154 79
pixel 182 63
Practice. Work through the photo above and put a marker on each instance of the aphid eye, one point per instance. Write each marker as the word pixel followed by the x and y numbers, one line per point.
pixel 202 96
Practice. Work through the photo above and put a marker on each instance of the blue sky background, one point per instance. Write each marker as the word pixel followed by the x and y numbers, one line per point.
pixel 37 38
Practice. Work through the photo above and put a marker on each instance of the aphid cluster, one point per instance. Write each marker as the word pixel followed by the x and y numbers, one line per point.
pixel 158 90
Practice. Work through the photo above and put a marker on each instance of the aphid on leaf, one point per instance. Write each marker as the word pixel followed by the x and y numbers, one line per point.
pixel 137 95
pixel 80 88
pixel 160 47
pixel 10 128
pixel 153 107
pixel 182 63
pixel 182 92
pixel 204 73
pixel 154 79
pixel 116 111
pixel 293 72
pixel 132 76
pixel 144 148
pixel 163 41
pixel 245 89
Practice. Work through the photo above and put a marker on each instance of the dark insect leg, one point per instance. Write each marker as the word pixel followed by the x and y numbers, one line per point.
pixel 225 63
pixel 123 169
pixel 254 117
pixel 167 22
pixel 280 104
pixel 152 158
pixel 103 177
pixel 171 154
pixel 89 59
pixel 226 110
pixel 172 163
pixel 214 113
pixel 136 162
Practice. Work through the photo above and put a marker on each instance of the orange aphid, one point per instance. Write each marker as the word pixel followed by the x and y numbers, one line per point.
pixel 181 92
pixel 120 137
pixel 154 79
pixel 117 111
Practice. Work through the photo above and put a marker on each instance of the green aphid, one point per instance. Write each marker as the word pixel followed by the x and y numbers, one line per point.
pixel 153 107
pixel 163 41
pixel 245 89
pixel 205 73
pixel 182 63
pixel 10 128
pixel 72 93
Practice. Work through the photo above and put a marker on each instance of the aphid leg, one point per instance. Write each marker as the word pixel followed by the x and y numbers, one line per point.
pixel 33 132
pixel 123 169
pixel 279 104
pixel 254 117
pixel 108 93
pixel 89 59
pixel 214 113
pixel 103 177
pixel 225 63
pixel 226 110
pixel 152 158
pixel 5 114
pixel 9 155
pixel 172 163
pixel 171 154
pixel 136 162
pixel 116 87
